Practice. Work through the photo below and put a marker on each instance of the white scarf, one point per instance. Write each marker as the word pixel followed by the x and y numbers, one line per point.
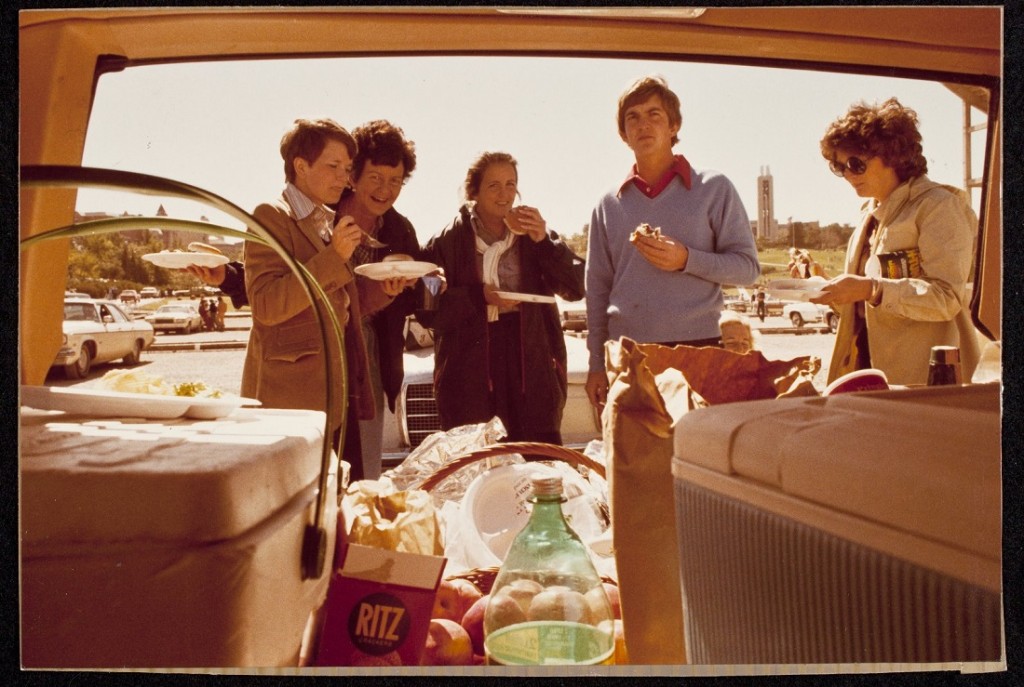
pixel 492 255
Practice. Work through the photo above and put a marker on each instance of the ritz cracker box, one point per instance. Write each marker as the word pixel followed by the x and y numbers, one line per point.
pixel 378 606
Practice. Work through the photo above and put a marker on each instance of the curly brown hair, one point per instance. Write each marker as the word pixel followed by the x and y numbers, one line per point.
pixel 887 131
pixel 383 143
pixel 307 139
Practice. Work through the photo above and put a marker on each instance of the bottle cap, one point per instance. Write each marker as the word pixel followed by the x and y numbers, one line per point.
pixel 945 355
pixel 546 485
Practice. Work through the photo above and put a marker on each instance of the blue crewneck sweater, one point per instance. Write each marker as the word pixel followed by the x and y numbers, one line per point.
pixel 627 296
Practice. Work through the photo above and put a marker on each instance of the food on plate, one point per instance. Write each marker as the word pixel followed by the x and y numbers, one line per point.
pixel 198 247
pixel 397 257
pixel 448 644
pixel 514 222
pixel 645 229
pixel 130 381
pixel 454 597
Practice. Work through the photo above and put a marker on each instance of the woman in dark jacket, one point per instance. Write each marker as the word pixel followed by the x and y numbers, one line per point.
pixel 501 355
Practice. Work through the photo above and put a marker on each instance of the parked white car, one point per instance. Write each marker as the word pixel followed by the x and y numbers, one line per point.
pixel 98 331
pixel 150 292
pixel 416 418
pixel 801 313
pixel 573 314
pixel 178 317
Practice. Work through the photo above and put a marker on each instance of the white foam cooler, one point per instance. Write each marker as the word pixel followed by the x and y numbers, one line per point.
pixel 858 528
pixel 168 543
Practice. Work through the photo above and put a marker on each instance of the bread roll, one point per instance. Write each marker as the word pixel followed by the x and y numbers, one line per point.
pixel 197 247
pixel 397 257
pixel 513 222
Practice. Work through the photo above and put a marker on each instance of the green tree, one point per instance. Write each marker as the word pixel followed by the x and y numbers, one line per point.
pixel 578 242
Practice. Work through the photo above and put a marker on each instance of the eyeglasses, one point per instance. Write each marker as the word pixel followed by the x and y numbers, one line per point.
pixel 854 164
pixel 395 184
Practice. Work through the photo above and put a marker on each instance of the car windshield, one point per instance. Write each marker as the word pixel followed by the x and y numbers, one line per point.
pixel 174 309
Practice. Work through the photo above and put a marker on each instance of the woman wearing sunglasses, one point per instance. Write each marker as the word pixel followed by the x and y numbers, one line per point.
pixel 907 264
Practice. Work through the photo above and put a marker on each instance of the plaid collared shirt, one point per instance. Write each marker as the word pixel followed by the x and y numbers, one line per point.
pixel 303 207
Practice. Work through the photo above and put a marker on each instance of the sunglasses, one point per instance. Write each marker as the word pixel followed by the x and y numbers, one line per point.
pixel 854 164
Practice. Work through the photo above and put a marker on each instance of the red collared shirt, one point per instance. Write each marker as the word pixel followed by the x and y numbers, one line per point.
pixel 680 168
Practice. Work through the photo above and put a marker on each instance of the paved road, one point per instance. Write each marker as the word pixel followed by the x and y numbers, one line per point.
pixel 178 357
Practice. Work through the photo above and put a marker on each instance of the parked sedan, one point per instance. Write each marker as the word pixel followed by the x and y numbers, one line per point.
pixel 801 313
pixel 179 317
pixel 416 417
pixel 573 314
pixel 98 331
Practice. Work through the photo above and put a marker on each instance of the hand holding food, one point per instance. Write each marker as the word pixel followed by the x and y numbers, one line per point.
pixel 526 221
pixel 660 250
pixel 644 230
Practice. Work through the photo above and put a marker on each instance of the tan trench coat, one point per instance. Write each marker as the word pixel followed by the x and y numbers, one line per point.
pixel 918 312
pixel 284 363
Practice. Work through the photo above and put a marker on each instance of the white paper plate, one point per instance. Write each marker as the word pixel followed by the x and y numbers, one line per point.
pixel 796 289
pixel 404 269
pixel 179 260
pixel 101 403
pixel 524 297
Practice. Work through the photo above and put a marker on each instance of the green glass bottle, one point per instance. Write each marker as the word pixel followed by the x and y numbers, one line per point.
pixel 548 605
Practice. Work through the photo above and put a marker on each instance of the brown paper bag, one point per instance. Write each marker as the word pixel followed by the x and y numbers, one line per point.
pixel 651 387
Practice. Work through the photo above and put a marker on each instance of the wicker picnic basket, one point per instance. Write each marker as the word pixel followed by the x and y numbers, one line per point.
pixel 483 578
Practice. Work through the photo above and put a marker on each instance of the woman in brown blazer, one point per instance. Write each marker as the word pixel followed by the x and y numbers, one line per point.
pixel 284 365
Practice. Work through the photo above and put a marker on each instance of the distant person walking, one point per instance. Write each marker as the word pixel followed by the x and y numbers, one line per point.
pixel 213 314
pixel 204 313
pixel 219 318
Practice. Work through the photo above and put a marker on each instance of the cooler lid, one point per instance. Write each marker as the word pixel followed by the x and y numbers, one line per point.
pixel 115 480
pixel 926 461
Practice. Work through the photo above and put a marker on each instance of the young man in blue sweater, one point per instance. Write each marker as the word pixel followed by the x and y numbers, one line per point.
pixel 665 288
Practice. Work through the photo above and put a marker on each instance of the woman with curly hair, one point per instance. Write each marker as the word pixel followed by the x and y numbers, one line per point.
pixel 904 289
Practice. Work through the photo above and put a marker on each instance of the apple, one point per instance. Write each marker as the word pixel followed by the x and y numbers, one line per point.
pixel 448 644
pixel 473 622
pixel 453 599
pixel 503 609
pixel 522 590
pixel 612 590
pixel 596 600
pixel 559 604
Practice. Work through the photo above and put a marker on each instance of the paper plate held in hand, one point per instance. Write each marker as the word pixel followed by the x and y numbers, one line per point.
pixel 524 297
pixel 796 289
pixel 399 269
pixel 179 260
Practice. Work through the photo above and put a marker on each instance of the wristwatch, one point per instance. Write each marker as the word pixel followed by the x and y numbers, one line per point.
pixel 875 299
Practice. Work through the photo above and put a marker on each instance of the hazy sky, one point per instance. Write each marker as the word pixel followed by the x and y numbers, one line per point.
pixel 218 126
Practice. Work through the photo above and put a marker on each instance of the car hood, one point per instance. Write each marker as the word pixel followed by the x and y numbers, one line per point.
pixel 419 364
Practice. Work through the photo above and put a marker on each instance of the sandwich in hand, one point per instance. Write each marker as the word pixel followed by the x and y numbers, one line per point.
pixel 645 229
pixel 514 222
